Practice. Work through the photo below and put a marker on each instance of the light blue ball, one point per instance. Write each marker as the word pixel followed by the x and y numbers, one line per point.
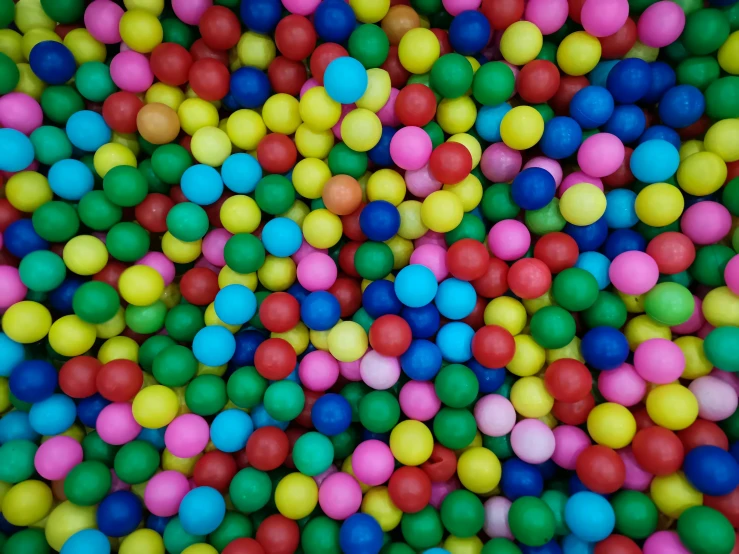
pixel 282 237
pixel 572 545
pixel 241 173
pixel 53 416
pixel 620 211
pixel 597 265
pixel 654 161
pixel 589 516
pixel 71 179
pixel 11 354
pixel 235 304
pixel 436 550
pixel 16 425
pixel 415 285
pixel 261 418
pixel 455 299
pixel 230 430
pixel 16 150
pixel 488 121
pixel 201 184
pixel 88 131
pixel 214 345
pixel 455 342
pixel 87 541
pixel 202 510
pixel 345 80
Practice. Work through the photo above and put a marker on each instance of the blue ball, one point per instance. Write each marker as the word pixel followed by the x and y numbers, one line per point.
pixel 120 513
pixel 422 361
pixel 241 173
pixel 379 299
pixel 520 479
pixel 202 510
pixel 235 304
pixel 360 534
pixel 604 348
pixel 157 523
pixel 591 107
pixel 562 137
pixel 331 414
pixel 663 78
pixel 552 547
pixel 320 310
pixel 573 545
pixel 16 425
pixel 627 123
pixel 661 132
pixel 261 418
pixel 89 409
pixel 415 285
pixel 53 415
pixel 455 299
pixel 70 179
pixel 250 87
pixel 588 237
pixel 455 342
pixel 681 106
pixel 599 76
pixel 654 161
pixel 334 21
pixel 489 379
pixel 597 265
pixel 88 131
pixel 547 469
pixel 11 354
pixel 20 238
pixel 298 292
pixel 282 237
pixel 230 103
pixel 16 150
pixel 424 320
pixel 711 470
pixel 379 220
pixel 380 153
pixel 469 32
pixel 33 381
pixel 436 550
pixel 261 16
pixel 345 79
pixel 623 240
pixel 201 184
pixel 213 345
pixel 87 541
pixel 246 345
pixel 620 212
pixel 533 188
pixel 230 430
pixel 629 80
pixel 734 450
pixel 52 62
pixel 489 119
pixel 589 516
pixel 154 437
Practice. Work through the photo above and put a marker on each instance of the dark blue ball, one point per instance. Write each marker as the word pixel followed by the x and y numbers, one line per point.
pixel 230 103
pixel 334 21
pixel 681 106
pixel 520 479
pixel 469 32
pixel 331 414
pixel 604 348
pixel 360 534
pixel 379 299
pixel 547 469
pixel 88 409
pixel 734 450
pixel 261 16
pixel 298 292
pixel 711 470
pixel 320 311
pixel 422 361
pixel 380 153
pixel 627 123
pixel 489 379
pixel 157 523
pixel 250 87
pixel 661 132
pixel 663 78
pixel 588 237
pixel 424 321
pixel 52 62
pixel 552 547
pixel 629 80
pixel 591 107
pixel 33 381
pixel 379 220
pixel 623 240
pixel 119 514
pixel 61 297
pixel 369 435
pixel 20 238
pixel 533 188
pixel 561 139
pixel 246 345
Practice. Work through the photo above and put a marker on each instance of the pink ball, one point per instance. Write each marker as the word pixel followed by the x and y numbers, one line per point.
pixel 730 378
pixel 664 542
pixel 373 462
pixel 495 415
pixel 116 484
pixel 440 489
pixel 161 263
pixel 661 24
pixel 500 163
pixel 410 148
pixel 418 400
pixel 190 11
pixel 509 239
pixel 547 164
pixel 20 112
pixel 213 244
pixel 131 72
pixel 309 84
pixel 57 456
pixel 636 478
pixel 455 7
pixel 706 222
pixel 731 274
pixel 340 495
pixel 317 271
pixel 301 7
pixel 304 250
pixel 13 289
pixel 717 400
pixel 421 183
pixel 532 441
pixel 569 442
pixel 548 15
pixel 602 18
pixel 345 109
pixel 659 361
pixel 379 372
pixel 164 492
pixel 430 237
pixel 187 435
pixel 576 178
pixel 433 257
pixel 321 477
pixel 350 370
pixel 102 18
pixel 601 155
pixel 496 517
pixel 318 370
pixel 622 385
pixel 116 424
pixel 695 322
pixel 387 113
pixel 633 272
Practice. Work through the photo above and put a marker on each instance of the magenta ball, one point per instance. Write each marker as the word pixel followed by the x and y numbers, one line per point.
pixel 131 72
pixel 373 462
pixel 213 244
pixel 495 415
pixel 345 109
pixel 116 484
pixel 350 370
pixel 660 25
pixel 318 371
pixel 731 274
pixel 187 435
pixel 575 178
pixel 622 385
pixel 717 400
pixel 419 401
pixel 379 372
pixel 509 239
pixel 664 542
pixel 500 163
pixel 706 222
pixel 601 155
pixel 455 7
pixel 633 272
pixel 304 250
pixel 636 478
pixel 115 424
pixel 190 11
pixel 317 271
pixel 695 321
pixel 532 441
pixel 440 490
pixel 410 148
pixel 421 183
pixel 20 112
pixel 496 517
pixel 387 114
pixel 548 15
pixel 57 456
pixel 321 477
pixel 13 289
pixel 433 257
pixel 547 164
pixel 164 492
pixel 340 495
pixel 569 442
pixel 301 7
pixel 430 237
pixel 102 19
pixel 601 18
pixel 659 361
pixel 162 264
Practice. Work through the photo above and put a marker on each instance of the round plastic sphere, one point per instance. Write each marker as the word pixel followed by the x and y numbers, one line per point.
pixel 202 511
pixel 52 62
pixel 32 381
pixel 711 470
pixel 531 521
pixel 119 514
pixel 604 348
pixel 654 161
pixel 345 80
pixel 86 540
pixel 230 430
pixel 331 414
pixel 533 188
pixel 722 538
pixel 360 533
pixel 589 516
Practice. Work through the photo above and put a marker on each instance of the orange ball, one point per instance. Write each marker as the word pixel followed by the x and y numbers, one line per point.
pixel 158 123
pixel 399 20
pixel 342 194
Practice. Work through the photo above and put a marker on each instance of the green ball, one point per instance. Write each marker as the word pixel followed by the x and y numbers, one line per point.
pixel 427 7
pixel 545 110
pixel 705 31
pixel 7 13
pixel 531 521
pixel 136 462
pixel 64 11
pixel 344 160
pixel 9 73
pixel 146 320
pixel 175 366
pixel 435 133
pixel 169 163
pixel 451 75
pixel 722 98
pixel 500 545
pixel 545 220
pixel 730 196
pixel 369 44
pixel 575 289
pixel 284 400
pixel 471 227
pixel 556 500
pixel 345 442
pixel 363 318
pixel 497 202
pixel 127 241
pixel 636 514
pixel 710 263
pixel 669 303
pixel 250 490
pixel 96 449
pixel 17 456
pixel 97 212
pixel 730 426
pixel 699 72
pixel 379 411
pixel 176 539
pixel 206 395
pixel 689 6
pixel 234 526
pixel 552 327
pixel 373 260
pixel 184 321
pixel 462 513
pixel 704 530
pixel 256 321
pixel 60 102
pixel 720 348
pixel 454 428
pixel 321 536
pixel 493 84
pixel 732 14
pixel 244 253
pixel 178 32
pixel 94 82
pixel 607 311
pixel 548 52
pixel 150 348
pixel 50 144
pixel 187 222
pixel 456 386
pixel 95 302
pixel 87 483
pixel 125 186
pixel 313 453
pixel 42 270
pixel 423 529
pixel 500 446
pixel 55 221
pixel 153 181
pixel 354 392
pixel 274 194
pixel 27 541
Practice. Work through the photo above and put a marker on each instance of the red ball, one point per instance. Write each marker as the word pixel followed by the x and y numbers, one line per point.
pixel 275 359
pixel 410 489
pixel 622 177
pixel 450 162
pixel 442 465
pixel 215 469
pixel 170 63
pixel 696 129
pixel 467 259
pixel 476 319
pixel 703 433
pixel 494 282
pixel 119 380
pixel 322 56
pixel 616 46
pixel 445 47
pixel 295 37
pixel 658 450
pixel 568 87
pixel 349 294
pixel 243 546
pixel 568 380
pixel 615 544
pixel 120 110
pixel 673 252
pixel 200 50
pixel 641 416
pixel 558 251
pixel 529 278
pixel 293 434
pixel 415 105
pixel 8 214
pixel 575 8
pixel 199 286
pixel 214 210
pixel 352 229
pixel 346 258
pixel 279 312
pixel 538 81
pixel 573 413
pixel 220 28
pixel 152 212
pixel 502 13
pixel 111 273
pixel 600 469
pixel 267 448
pixel 493 346
pixel 210 79
pixel 304 417
pixel 398 74
pixel 276 153
pixel 278 535
pixel 728 505
pixel 287 76
pixel 78 376
pixel 390 335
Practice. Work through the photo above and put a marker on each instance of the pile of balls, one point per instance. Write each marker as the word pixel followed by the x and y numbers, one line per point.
pixel 369 276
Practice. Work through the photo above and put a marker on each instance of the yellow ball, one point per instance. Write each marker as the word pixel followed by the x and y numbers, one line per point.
pixel 378 90
pixel 159 93
pixel 298 337
pixel 442 211
pixel 141 30
pixel 721 137
pixel 468 190
pixel 388 185
pixel 346 467
pixel 140 285
pixel 185 466
pixel 529 357
pixel 521 42
pixel 506 312
pixel 318 110
pixel 178 251
pixel 696 362
pixel 152 6
pixel 611 425
pixel 296 496
pixel 702 173
pixel 277 274
pixel 228 276
pixel 634 303
pixel 29 14
pixel 313 144
pixel 721 307
pixel 309 177
pixel 643 52
pixel 370 11
pixel 690 147
pixel 26 322
pixel 4 396
pixel 521 127
pixel 26 503
pixel 572 350
pixel 411 442
pixel 642 328
pixel 530 397
pixel 84 47
pixel 112 155
pixel 240 214
pixel 245 128
pixel 411 225
pixel 322 229
pixel 582 204
pixel 67 519
pixel 28 83
pixel 347 341
pixel 659 204
pixel 281 114
pixel 129 140
pixel 466 545
pixel 255 50
pixel 200 548
pixel 728 55
pixel 479 470
pixel 70 336
pixel 402 250
pixel 119 348
pixel 196 113
pixel 578 53
pixel 456 115
pixel 361 130
pixel 418 50
pixel 378 504
pixel 27 191
pixel 35 36
pixel 673 494
pixel 11 44
pixel 297 212
pixel 211 318
pixel 471 144
pixel 533 305
pixel 155 407
pixel 142 540
pixel 210 146
pixel 85 255
pixel 672 406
